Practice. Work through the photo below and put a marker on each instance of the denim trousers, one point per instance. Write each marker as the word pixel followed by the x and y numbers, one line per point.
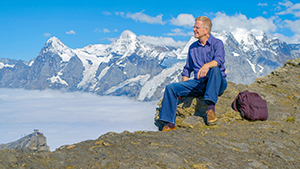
pixel 210 87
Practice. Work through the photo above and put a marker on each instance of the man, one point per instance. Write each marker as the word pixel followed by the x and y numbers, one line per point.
pixel 206 59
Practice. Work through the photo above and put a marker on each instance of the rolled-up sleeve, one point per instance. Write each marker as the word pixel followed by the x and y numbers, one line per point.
pixel 187 69
pixel 219 53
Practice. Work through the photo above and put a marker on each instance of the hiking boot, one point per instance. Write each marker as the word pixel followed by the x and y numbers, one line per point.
pixel 167 128
pixel 211 118
pixel 160 124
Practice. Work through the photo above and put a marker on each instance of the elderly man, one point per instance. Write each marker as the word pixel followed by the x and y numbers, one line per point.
pixel 206 58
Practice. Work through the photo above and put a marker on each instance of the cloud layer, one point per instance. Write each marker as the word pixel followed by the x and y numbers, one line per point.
pixel 67 118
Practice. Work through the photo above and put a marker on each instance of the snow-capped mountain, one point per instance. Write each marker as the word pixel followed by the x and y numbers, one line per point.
pixel 137 69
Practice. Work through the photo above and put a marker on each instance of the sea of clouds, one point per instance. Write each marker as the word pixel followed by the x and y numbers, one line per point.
pixel 70 117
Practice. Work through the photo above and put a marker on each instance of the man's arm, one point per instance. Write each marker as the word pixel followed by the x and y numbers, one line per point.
pixel 205 68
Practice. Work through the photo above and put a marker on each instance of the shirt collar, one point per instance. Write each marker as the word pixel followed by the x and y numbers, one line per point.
pixel 208 42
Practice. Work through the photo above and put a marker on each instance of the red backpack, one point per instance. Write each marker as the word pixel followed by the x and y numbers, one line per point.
pixel 251 106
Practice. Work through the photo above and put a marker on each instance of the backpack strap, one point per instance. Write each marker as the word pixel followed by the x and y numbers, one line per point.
pixel 243 114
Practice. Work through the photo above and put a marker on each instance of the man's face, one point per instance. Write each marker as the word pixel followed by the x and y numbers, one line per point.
pixel 199 30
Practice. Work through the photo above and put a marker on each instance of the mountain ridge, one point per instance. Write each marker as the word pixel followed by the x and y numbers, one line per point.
pixel 33 142
pixel 131 67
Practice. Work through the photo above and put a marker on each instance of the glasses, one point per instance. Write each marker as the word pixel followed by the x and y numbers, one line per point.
pixel 195 27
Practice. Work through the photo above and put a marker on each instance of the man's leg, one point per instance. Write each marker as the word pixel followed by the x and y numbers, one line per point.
pixel 170 99
pixel 216 85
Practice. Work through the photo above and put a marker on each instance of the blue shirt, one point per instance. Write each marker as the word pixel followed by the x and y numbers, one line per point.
pixel 198 55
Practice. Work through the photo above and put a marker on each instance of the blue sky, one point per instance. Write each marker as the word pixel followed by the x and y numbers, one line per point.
pixel 25 26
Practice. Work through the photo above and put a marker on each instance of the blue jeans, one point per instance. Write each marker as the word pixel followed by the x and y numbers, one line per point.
pixel 210 87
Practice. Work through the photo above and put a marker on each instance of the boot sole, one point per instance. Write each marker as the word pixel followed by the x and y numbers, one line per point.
pixel 166 128
pixel 212 123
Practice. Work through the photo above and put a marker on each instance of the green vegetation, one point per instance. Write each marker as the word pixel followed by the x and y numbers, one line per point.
pixel 291 119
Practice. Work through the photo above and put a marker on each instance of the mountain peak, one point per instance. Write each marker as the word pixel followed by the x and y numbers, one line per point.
pixel 126 42
pixel 54 38
pixel 127 34
pixel 55 42
pixel 54 45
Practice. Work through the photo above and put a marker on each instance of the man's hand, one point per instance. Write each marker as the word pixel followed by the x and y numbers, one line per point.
pixel 205 68
pixel 203 71
pixel 184 78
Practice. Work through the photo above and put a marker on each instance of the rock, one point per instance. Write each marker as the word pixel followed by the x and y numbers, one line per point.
pixel 35 141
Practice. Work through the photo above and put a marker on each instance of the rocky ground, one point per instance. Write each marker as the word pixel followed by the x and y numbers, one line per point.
pixel 232 143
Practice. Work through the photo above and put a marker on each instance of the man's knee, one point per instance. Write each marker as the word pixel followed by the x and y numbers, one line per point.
pixel 215 70
pixel 170 87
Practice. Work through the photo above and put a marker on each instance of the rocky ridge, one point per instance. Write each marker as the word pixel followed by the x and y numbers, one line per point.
pixel 232 143
pixel 35 141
